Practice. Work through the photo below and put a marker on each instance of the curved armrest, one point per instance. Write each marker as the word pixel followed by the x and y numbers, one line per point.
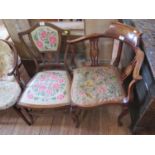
pixel 139 60
pixel 136 72
pixel 87 37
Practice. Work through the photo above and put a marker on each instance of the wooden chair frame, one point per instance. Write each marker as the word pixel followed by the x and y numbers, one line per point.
pixel 125 34
pixel 41 63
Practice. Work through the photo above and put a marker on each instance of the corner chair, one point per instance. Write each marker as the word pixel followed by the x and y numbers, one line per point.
pixel 96 84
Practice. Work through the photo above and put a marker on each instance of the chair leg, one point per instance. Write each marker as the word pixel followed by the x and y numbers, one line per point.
pixel 124 112
pixel 84 114
pixel 21 114
pixel 75 116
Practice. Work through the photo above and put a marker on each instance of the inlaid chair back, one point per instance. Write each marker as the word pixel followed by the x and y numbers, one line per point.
pixel 130 36
pixel 44 44
pixel 125 34
pixel 118 31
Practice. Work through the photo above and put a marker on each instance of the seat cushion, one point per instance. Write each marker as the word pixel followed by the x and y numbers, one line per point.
pixel 9 94
pixel 93 86
pixel 47 89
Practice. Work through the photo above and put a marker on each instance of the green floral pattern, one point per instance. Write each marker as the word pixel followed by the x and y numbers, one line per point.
pixel 96 85
pixel 45 38
pixel 47 87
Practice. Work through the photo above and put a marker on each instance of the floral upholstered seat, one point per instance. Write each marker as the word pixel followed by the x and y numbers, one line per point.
pixel 48 89
pixel 9 94
pixel 94 86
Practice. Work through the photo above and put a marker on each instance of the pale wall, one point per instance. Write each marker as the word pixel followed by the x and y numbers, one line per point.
pixel 91 26
pixel 99 26
pixel 14 26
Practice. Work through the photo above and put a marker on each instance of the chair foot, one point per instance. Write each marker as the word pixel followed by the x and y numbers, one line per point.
pixel 84 114
pixel 77 123
pixel 122 114
pixel 65 111
pixel 21 114
pixel 75 116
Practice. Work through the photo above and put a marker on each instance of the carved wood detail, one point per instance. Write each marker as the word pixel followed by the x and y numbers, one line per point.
pixel 126 35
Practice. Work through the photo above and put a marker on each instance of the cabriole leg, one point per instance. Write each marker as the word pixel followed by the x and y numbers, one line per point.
pixel 75 116
pixel 123 113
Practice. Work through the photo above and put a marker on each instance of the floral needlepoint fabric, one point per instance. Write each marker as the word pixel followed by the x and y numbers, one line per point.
pixel 47 88
pixel 96 85
pixel 9 93
pixel 45 38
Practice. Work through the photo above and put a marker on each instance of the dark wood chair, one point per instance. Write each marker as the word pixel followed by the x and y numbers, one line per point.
pixel 11 84
pixel 98 85
pixel 50 86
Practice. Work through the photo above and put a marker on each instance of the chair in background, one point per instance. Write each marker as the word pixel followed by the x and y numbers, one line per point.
pixel 10 81
pixel 50 86
pixel 98 85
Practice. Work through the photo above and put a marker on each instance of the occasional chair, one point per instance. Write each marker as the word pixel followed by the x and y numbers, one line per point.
pixel 10 81
pixel 50 86
pixel 96 84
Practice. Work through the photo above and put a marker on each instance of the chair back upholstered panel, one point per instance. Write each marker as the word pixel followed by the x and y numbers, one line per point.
pixel 46 38
pixel 43 42
pixel 6 60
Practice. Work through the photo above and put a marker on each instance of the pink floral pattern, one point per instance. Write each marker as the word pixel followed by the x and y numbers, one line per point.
pixel 45 38
pixel 47 87
pixel 43 35
pixel 96 85
pixel 52 39
pixel 39 44
pixel 60 97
